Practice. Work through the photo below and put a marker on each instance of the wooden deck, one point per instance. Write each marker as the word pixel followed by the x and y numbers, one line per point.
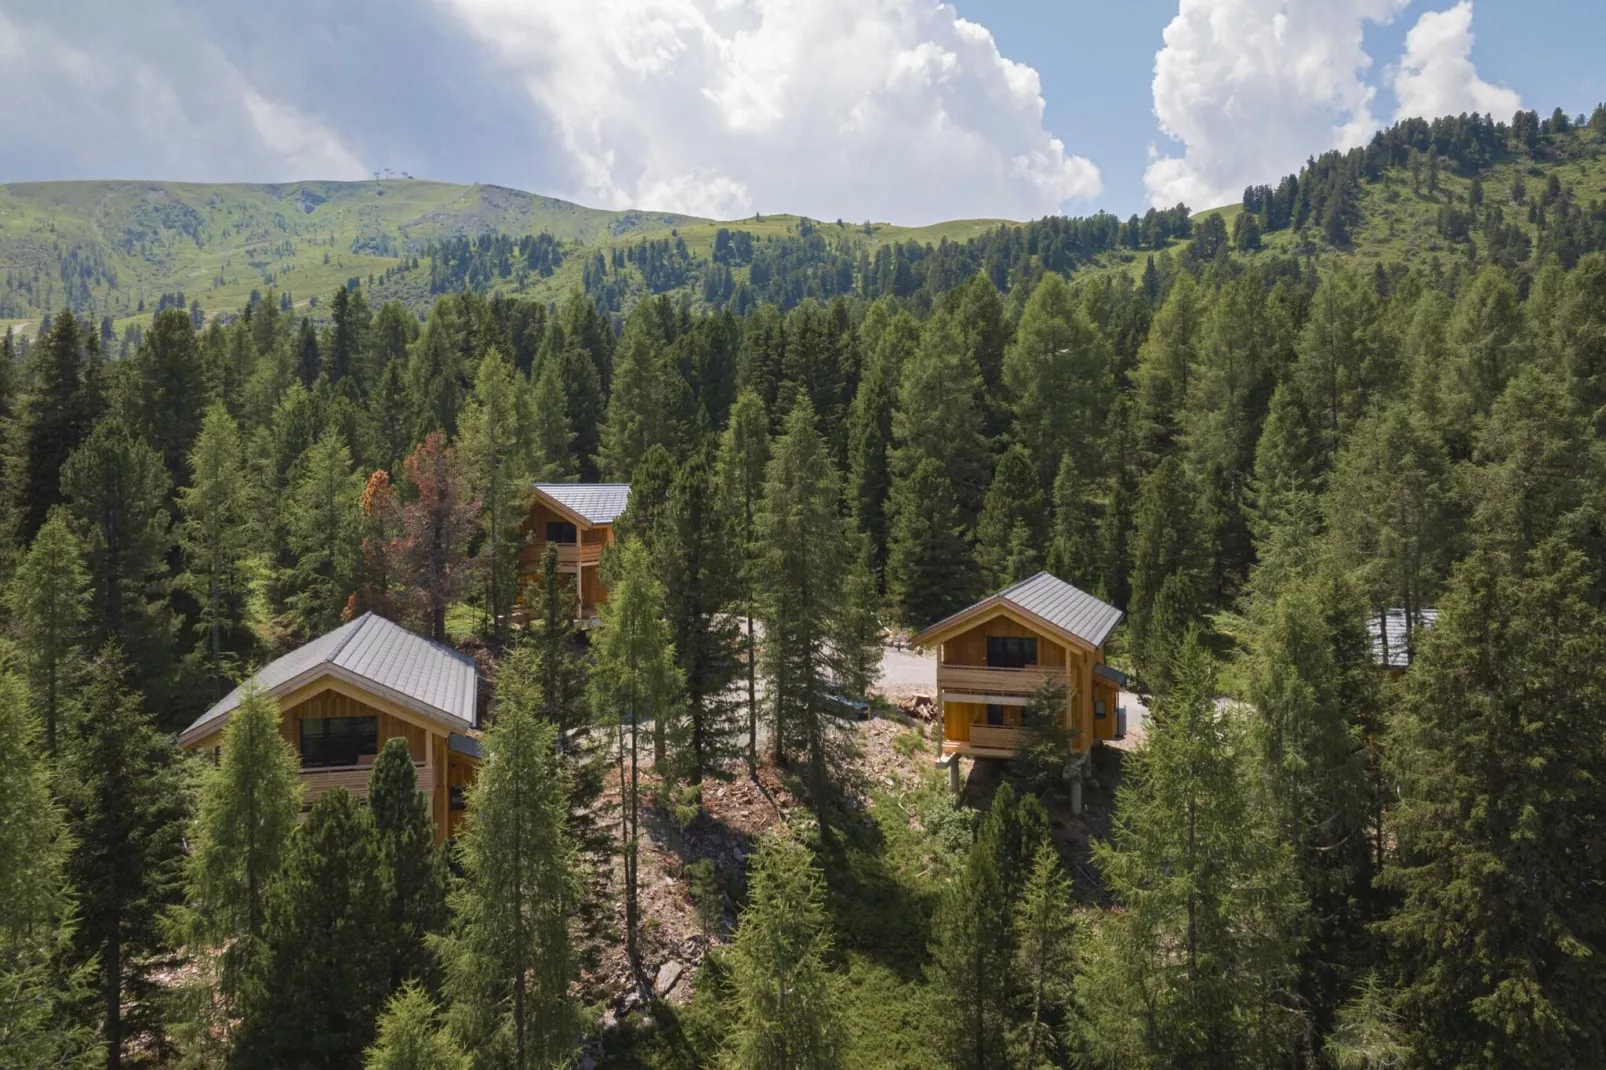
pixel 354 778
pixel 981 680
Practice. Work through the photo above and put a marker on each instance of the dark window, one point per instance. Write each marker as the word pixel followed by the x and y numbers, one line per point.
pixel 559 531
pixel 456 799
pixel 1010 652
pixel 995 716
pixel 335 741
pixel 1098 709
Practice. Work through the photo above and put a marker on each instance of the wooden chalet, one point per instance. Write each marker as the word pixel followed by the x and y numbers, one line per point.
pixel 993 656
pixel 578 518
pixel 344 694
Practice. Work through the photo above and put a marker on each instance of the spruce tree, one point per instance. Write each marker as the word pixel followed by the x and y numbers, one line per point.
pixel 700 593
pixel 939 417
pixel 170 379
pixel 215 535
pixel 321 977
pixel 415 874
pixel 1014 500
pixel 120 784
pixel 1198 968
pixel 860 624
pixel 869 457
pixel 1073 549
pixel 1167 567
pixel 1044 934
pixel 411 1036
pixel 645 397
pixel 788 1015
pixel 117 489
pixel 743 456
pixel 552 456
pixel 496 463
pixel 37 921
pixel 48 599
pixel 322 517
pixel 634 679
pixel 1058 373
pixel 508 956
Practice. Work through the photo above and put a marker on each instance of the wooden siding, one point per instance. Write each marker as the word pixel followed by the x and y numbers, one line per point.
pixel 583 557
pixel 970 647
pixel 336 704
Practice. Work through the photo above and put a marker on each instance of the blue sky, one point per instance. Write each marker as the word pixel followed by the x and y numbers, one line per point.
pixel 903 110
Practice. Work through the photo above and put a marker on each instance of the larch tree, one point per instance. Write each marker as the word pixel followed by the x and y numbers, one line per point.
pixel 1073 539
pixel 508 955
pixel 1167 567
pixel 436 527
pixel 634 679
pixel 215 535
pixel 1057 371
pixel 870 454
pixel 247 805
pixel 743 455
pixel 701 591
pixel 37 922
pixel 800 569
pixel 48 599
pixel 320 980
pixel 412 1037
pixel 788 1015
pixel 121 788
pixel 322 512
pixel 497 466
pixel 415 872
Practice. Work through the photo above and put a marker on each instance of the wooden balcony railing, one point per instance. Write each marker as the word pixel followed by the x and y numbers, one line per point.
pixel 981 680
pixel 570 555
pixel 354 778
pixel 994 737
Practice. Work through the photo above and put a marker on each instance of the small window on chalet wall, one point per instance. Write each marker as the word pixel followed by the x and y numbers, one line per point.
pixel 1010 652
pixel 335 741
pixel 560 531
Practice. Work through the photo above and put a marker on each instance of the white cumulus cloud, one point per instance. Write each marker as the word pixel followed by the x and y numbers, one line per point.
pixel 1253 87
pixel 898 109
pixel 1436 77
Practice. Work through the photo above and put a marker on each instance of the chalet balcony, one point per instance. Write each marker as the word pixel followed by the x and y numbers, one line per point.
pixel 982 680
pixel 575 555
pixel 317 781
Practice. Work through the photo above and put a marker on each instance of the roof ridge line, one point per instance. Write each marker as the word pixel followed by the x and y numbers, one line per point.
pixel 335 653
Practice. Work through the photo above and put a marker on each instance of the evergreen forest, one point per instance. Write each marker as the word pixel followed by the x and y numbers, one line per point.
pixel 1338 452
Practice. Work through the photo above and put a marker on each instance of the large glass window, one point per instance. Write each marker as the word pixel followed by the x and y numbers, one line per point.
pixel 561 531
pixel 1010 652
pixel 336 741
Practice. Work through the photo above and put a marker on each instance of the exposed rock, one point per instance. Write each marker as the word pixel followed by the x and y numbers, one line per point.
pixel 668 976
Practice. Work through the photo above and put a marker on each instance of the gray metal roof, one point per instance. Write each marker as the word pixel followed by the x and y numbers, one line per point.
pixel 1398 656
pixel 415 672
pixel 1089 619
pixel 599 503
pixel 1110 673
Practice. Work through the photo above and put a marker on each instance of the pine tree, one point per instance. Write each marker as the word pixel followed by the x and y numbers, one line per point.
pixel 411 1037
pixel 860 624
pixel 931 571
pixel 53 417
pixel 48 600
pixel 799 575
pixel 1014 500
pixel 215 535
pixel 1497 750
pixel 1058 374
pixel 321 978
pixel 117 489
pixel 645 398
pixel 415 874
pixel 322 517
pixel 700 594
pixel 743 456
pixel 496 464
pixel 788 1014
pixel 246 808
pixel 170 379
pixel 508 957
pixel 1167 573
pixel 125 803
pixel 436 526
pixel 939 418
pixel 553 455
pixel 1196 971
pixel 634 679
pixel 869 457
pixel 1073 550
pixel 37 923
